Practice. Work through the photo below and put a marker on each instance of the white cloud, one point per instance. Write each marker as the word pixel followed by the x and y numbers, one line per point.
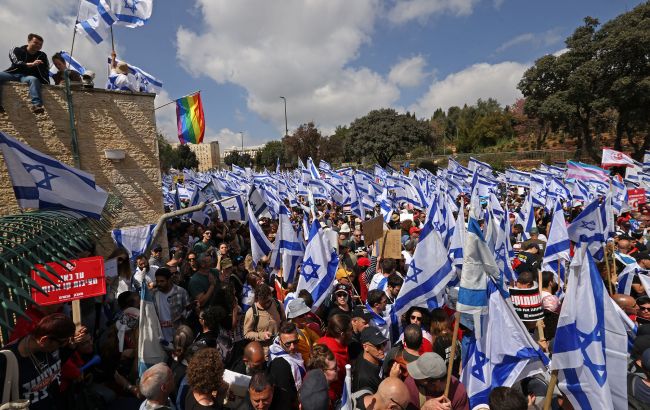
pixel 498 81
pixel 537 40
pixel 300 50
pixel 408 72
pixel 406 10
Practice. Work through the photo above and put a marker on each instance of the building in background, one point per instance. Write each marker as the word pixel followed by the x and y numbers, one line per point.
pixel 207 153
pixel 252 150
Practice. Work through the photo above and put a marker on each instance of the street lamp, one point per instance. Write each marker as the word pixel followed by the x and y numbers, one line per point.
pixel 286 127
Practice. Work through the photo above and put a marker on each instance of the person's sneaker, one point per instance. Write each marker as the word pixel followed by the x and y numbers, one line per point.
pixel 38 109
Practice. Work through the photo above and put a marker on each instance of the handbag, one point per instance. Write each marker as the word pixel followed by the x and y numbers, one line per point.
pixel 10 394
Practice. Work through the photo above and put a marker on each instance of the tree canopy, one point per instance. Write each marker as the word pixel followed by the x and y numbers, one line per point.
pixel 602 81
pixel 384 133
pixel 179 158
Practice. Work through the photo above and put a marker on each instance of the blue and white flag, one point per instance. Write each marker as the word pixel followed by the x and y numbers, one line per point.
pixel 346 397
pixel 319 265
pixel 42 182
pixel 134 239
pixel 96 21
pixel 257 203
pixel 526 216
pixel 288 246
pixel 142 81
pixel 132 13
pixel 494 360
pixel 558 246
pixel 481 168
pixel 311 168
pixel 71 63
pixel 232 209
pixel 150 351
pixel 589 228
pixel 260 244
pixel 427 275
pixel 478 262
pixel 457 242
pixel 518 178
pixel 590 349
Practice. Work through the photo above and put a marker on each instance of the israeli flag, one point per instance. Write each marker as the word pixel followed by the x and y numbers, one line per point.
pixel 590 349
pixel 257 204
pixel 311 168
pixel 232 209
pixel 481 168
pixel 41 182
pixel 288 246
pixel 494 360
pixel 427 275
pixel 526 216
pixel 319 265
pixel 457 242
pixel 150 351
pixel 558 246
pixel 260 245
pixel 478 262
pixel 134 239
pixel 97 22
pixel 132 13
pixel 589 228
pixel 72 64
pixel 518 178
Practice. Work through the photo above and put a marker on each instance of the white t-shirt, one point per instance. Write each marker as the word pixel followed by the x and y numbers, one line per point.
pixel 148 277
pixel 165 315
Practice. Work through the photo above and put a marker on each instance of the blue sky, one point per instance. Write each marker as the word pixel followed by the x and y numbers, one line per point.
pixel 334 60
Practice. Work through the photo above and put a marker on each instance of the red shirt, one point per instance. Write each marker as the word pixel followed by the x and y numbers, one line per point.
pixel 342 358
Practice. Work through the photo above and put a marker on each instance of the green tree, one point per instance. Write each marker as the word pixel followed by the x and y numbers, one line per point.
pixel 185 158
pixel 269 154
pixel 333 148
pixel 383 134
pixel 166 154
pixel 239 159
pixel 306 141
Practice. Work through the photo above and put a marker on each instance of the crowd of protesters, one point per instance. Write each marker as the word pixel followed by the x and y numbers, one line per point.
pixel 222 316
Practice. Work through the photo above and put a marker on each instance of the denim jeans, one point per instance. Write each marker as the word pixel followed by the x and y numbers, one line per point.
pixel 34 85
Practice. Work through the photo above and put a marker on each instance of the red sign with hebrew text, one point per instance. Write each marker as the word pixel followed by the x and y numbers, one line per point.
pixel 83 279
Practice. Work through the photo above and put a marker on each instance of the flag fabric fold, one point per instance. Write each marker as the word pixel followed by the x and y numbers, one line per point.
pixel 190 120
pixel 42 182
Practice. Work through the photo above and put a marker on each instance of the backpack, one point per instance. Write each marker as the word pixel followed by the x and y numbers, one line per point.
pixel 633 402
pixel 256 313
pixel 10 394
pixel 359 395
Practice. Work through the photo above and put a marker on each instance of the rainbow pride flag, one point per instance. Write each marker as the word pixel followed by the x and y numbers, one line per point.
pixel 190 120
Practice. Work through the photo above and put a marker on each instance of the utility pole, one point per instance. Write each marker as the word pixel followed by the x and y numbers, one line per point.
pixel 286 127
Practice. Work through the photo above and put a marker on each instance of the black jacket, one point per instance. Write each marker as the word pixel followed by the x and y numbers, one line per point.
pixel 20 57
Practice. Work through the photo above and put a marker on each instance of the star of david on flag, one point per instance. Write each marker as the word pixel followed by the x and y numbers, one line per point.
pixel 590 349
pixel 42 182
pixel 319 264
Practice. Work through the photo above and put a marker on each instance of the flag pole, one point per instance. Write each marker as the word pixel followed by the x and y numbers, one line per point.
pixel 74 31
pixel 609 271
pixel 549 390
pixel 171 102
pixel 452 354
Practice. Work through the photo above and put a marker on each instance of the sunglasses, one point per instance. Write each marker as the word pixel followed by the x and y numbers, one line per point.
pixel 191 259
pixel 291 342
pixel 418 318
pixel 646 309
pixel 397 404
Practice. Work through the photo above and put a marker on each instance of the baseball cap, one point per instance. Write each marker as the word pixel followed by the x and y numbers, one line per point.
pixel 314 391
pixel 533 230
pixel 226 263
pixel 362 312
pixel 373 336
pixel 428 366
pixel 342 287
pixel 363 262
pixel 297 307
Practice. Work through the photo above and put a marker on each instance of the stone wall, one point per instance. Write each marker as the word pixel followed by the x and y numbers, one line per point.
pixel 104 120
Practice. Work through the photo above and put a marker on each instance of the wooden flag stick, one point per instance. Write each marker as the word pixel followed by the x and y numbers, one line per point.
pixel 549 390
pixel 452 354
pixel 609 271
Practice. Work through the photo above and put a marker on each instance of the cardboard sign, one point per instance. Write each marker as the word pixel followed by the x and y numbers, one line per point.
pixel 390 244
pixel 373 229
pixel 84 278
pixel 527 303
pixel 636 197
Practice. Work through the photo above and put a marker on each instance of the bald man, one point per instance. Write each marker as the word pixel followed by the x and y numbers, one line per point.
pixel 252 361
pixel 391 394
pixel 627 303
